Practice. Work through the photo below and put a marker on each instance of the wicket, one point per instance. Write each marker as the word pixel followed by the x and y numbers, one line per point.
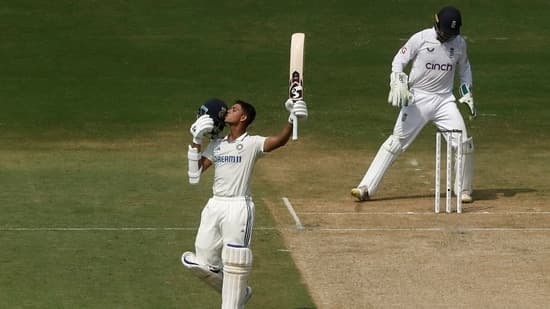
pixel 449 135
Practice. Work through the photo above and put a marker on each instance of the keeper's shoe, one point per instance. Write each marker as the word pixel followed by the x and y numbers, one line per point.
pixel 360 194
pixel 248 294
pixel 466 197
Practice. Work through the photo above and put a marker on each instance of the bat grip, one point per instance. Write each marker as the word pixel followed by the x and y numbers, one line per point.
pixel 294 127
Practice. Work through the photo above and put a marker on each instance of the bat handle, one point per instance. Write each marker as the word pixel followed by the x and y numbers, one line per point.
pixel 294 127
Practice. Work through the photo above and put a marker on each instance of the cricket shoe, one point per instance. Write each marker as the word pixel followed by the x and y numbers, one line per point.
pixel 360 194
pixel 210 274
pixel 188 259
pixel 466 197
pixel 248 294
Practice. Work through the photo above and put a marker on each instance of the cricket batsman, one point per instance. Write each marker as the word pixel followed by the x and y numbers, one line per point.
pixel 426 95
pixel 223 257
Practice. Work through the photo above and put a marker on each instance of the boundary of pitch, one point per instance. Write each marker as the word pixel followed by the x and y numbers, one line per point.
pixel 324 229
pixel 426 213
pixel 299 226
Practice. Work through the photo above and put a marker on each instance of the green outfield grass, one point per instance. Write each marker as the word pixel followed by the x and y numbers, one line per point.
pixel 96 98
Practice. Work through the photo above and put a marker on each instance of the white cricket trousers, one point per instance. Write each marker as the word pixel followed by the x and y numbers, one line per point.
pixel 223 220
pixel 441 110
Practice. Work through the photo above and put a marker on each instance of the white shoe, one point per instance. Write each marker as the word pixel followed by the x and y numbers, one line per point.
pixel 188 259
pixel 466 197
pixel 360 194
pixel 209 274
pixel 248 294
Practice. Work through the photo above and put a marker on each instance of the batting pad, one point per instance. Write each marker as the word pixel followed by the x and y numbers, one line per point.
pixel 237 264
pixel 212 276
pixel 387 154
pixel 468 167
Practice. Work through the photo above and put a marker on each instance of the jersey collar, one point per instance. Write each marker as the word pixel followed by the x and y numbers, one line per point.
pixel 433 36
pixel 239 139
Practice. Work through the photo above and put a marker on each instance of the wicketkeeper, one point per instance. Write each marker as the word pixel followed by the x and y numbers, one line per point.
pixel 222 257
pixel 426 95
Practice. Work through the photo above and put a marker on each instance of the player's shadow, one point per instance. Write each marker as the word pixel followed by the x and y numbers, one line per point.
pixel 493 194
pixel 478 195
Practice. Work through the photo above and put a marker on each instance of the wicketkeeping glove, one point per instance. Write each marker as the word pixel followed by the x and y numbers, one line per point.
pixel 468 99
pixel 296 109
pixel 399 90
pixel 203 125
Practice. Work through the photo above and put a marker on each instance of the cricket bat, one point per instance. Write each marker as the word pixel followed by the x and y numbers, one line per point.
pixel 296 79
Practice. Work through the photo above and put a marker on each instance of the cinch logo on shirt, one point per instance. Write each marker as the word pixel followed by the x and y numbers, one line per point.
pixel 441 67
pixel 228 159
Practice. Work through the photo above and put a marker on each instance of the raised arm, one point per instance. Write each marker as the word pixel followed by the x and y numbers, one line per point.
pixel 298 109
pixel 274 142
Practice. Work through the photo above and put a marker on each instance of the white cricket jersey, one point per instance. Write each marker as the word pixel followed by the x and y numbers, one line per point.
pixel 434 63
pixel 233 163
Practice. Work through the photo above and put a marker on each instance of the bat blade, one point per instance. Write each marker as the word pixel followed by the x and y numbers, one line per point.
pixel 296 76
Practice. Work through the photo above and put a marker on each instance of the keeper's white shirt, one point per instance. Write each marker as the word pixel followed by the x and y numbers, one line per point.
pixel 434 63
pixel 234 163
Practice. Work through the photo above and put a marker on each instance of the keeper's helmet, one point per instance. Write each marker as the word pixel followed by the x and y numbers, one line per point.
pixel 216 109
pixel 447 23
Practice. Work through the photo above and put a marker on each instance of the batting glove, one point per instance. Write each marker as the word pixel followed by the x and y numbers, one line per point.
pixel 468 99
pixel 289 104
pixel 203 125
pixel 297 109
pixel 300 109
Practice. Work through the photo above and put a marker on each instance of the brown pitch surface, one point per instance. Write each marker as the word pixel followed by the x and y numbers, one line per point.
pixel 395 252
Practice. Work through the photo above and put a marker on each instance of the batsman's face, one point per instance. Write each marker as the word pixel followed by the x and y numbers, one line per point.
pixel 235 114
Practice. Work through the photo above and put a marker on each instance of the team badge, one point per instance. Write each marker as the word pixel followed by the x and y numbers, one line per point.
pixel 240 147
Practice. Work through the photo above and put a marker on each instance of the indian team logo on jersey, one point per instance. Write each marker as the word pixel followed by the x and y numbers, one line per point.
pixel 240 147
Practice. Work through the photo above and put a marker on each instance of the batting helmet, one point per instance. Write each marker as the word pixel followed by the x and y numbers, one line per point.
pixel 447 23
pixel 216 109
